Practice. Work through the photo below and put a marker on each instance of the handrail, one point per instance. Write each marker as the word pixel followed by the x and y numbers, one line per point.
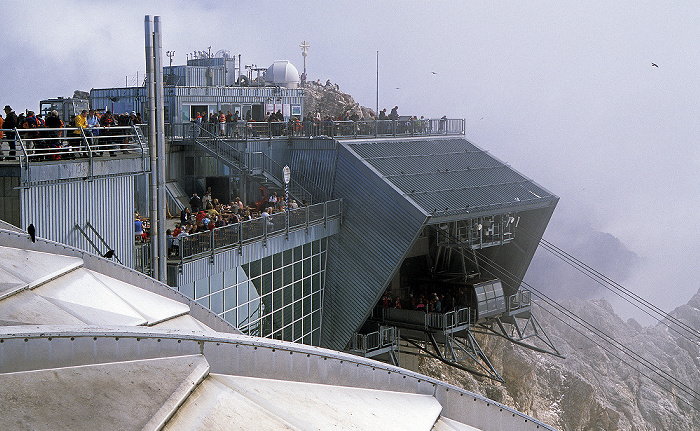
pixel 87 224
pixel 337 129
pixel 259 229
pixel 365 343
pixel 521 299
pixel 448 320
pixel 274 169
pixel 50 144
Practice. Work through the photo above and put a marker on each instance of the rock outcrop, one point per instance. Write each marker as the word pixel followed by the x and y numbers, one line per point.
pixel 329 101
pixel 596 387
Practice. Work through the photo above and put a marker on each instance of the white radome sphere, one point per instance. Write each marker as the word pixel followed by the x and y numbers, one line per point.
pixel 282 73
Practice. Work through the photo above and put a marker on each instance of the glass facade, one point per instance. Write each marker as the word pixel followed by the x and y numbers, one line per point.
pixel 279 296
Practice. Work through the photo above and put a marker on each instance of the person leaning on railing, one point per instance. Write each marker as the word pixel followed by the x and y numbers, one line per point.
pixel 81 123
pixel 53 121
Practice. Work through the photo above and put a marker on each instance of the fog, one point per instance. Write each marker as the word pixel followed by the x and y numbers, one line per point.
pixel 565 93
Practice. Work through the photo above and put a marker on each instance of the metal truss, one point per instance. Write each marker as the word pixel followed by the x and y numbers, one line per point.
pixel 458 352
pixel 521 330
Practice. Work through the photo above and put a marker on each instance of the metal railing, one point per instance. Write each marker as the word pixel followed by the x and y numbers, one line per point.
pixel 521 299
pixel 143 258
pixel 451 319
pixel 251 162
pixel 447 322
pixel 336 129
pixel 43 144
pixel 264 163
pixel 258 229
pixel 367 343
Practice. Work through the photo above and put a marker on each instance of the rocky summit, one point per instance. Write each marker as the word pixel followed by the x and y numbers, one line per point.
pixel 327 100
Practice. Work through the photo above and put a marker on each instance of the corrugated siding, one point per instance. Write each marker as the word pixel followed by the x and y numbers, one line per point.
pixel 451 176
pixel 379 226
pixel 313 162
pixel 108 204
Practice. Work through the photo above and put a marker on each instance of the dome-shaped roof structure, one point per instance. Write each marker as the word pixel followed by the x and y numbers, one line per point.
pixel 282 73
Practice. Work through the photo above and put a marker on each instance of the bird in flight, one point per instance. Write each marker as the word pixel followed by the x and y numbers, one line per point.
pixel 654 64
pixel 434 73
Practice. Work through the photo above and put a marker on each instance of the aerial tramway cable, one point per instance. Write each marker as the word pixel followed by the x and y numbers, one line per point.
pixel 635 357
pixel 624 293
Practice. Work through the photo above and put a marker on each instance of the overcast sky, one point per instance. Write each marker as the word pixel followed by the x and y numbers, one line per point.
pixel 563 91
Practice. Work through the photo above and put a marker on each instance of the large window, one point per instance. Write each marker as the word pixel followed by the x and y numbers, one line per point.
pixel 278 296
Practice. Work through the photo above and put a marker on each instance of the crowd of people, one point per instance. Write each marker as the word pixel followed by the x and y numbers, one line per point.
pixel 92 124
pixel 428 303
pixel 345 124
pixel 206 213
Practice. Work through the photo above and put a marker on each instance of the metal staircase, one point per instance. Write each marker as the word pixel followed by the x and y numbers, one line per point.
pixel 256 165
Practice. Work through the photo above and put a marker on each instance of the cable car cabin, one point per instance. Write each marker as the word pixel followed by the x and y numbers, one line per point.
pixel 487 299
pixel 473 301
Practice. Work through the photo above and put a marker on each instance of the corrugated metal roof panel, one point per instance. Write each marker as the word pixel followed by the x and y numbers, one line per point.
pixel 451 175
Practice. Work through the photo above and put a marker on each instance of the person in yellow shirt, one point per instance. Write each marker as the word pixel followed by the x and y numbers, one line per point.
pixel 80 123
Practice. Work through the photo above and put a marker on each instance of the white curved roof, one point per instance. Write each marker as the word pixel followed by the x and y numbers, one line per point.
pixel 81 349
pixel 282 73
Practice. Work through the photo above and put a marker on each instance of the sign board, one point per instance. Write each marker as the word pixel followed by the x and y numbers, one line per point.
pixel 287 174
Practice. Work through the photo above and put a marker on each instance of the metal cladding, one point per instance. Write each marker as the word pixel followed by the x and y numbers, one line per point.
pixel 107 204
pixel 313 164
pixel 452 178
pixel 391 190
pixel 379 227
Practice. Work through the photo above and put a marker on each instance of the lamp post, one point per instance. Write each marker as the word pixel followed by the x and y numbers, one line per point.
pixel 287 173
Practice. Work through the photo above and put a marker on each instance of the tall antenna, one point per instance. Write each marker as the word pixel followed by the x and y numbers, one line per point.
pixel 170 55
pixel 304 52
pixel 377 107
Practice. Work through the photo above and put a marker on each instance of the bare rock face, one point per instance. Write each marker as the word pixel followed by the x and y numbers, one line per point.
pixel 596 387
pixel 329 101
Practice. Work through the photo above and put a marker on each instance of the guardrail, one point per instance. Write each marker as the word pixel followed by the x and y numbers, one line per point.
pixel 44 144
pixel 367 343
pixel 521 299
pixel 451 319
pixel 336 129
pixel 259 229
pixel 448 321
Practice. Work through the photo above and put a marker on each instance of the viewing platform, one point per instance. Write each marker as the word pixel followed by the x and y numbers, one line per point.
pixel 334 129
pixel 46 155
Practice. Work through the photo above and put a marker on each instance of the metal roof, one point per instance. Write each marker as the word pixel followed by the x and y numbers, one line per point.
pixel 450 177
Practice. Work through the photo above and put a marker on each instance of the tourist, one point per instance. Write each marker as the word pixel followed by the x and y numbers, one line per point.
pixel 107 120
pixel 394 115
pixel 222 123
pixel 93 122
pixel 10 123
pixel 207 199
pixel 138 227
pixel 185 215
pixel 195 203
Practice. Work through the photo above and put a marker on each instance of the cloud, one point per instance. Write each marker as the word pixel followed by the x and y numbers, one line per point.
pixel 598 250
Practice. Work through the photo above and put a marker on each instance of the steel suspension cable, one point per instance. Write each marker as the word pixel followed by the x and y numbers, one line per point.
pixel 599 333
pixel 661 316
